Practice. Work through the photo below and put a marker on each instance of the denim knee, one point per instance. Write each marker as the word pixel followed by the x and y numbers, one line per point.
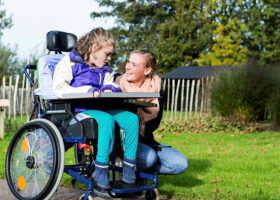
pixel 146 157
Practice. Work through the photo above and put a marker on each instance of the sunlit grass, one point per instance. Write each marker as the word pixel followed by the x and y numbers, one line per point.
pixel 221 166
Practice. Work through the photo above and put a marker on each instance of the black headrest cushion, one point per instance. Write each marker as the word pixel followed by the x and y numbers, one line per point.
pixel 61 41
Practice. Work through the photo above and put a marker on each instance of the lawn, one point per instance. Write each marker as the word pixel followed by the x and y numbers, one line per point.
pixel 221 166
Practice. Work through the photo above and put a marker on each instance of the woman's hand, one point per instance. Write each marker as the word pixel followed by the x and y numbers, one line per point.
pixel 107 90
pixel 96 94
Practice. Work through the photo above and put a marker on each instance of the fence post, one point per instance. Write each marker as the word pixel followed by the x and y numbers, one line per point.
pixel 9 97
pixel 3 96
pixel 168 97
pixel 187 100
pixel 182 98
pixel 202 97
pixel 172 99
pixel 21 100
pixel 15 100
pixel 196 96
pixel 176 99
pixel 191 100
pixel 3 103
pixel 4 87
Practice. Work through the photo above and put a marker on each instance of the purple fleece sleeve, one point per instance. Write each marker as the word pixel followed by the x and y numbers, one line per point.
pixel 93 89
pixel 111 87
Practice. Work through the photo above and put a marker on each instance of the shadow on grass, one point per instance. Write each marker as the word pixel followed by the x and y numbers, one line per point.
pixel 187 179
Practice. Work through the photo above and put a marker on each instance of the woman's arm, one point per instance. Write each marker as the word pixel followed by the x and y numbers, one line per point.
pixel 62 78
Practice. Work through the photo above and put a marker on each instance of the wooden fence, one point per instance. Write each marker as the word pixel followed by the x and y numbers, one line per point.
pixel 19 95
pixel 187 98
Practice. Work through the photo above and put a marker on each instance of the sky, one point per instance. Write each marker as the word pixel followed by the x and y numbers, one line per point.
pixel 32 19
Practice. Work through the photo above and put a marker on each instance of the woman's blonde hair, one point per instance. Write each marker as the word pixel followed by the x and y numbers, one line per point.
pixel 150 58
pixel 98 36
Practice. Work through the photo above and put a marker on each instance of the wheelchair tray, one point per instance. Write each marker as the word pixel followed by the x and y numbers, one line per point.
pixel 131 95
pixel 109 98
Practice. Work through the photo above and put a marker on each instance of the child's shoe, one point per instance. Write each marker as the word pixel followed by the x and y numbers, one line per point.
pixel 128 171
pixel 101 175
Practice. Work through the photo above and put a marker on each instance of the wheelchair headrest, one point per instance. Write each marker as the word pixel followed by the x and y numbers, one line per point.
pixel 60 41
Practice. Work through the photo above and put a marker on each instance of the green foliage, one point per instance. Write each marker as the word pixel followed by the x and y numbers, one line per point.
pixel 176 31
pixel 245 93
pixel 274 101
pixel 227 48
pixel 263 22
pixel 209 125
pixel 195 32
pixel 8 61
pixel 5 22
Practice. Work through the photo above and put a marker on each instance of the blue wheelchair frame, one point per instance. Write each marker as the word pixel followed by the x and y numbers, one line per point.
pixel 75 171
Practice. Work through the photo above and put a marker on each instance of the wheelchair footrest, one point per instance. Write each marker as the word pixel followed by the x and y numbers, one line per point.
pixel 121 187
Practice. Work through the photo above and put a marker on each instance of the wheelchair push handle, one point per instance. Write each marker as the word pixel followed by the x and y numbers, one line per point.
pixel 31 67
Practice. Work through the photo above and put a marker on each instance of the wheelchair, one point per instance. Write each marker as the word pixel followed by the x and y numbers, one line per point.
pixel 35 160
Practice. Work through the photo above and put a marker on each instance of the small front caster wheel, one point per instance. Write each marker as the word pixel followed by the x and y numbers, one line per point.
pixel 89 197
pixel 152 195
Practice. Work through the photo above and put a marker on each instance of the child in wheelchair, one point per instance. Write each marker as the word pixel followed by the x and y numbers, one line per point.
pixel 86 70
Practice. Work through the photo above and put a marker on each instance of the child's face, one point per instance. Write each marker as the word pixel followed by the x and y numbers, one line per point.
pixel 100 56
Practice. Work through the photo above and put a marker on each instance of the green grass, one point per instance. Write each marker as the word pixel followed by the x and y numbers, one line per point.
pixel 225 166
pixel 221 166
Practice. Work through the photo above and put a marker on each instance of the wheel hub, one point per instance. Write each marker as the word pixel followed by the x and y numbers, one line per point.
pixel 30 162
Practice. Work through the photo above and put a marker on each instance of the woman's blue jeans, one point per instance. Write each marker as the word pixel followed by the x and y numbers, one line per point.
pixel 166 161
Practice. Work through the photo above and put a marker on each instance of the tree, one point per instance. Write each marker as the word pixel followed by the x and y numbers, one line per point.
pixel 176 31
pixel 7 55
pixel 8 61
pixel 227 48
pixel 5 22
pixel 263 37
pixel 205 32
pixel 251 26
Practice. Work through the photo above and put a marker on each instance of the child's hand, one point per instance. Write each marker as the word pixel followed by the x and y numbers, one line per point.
pixel 107 90
pixel 96 94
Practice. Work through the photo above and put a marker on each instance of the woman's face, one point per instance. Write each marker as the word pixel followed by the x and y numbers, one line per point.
pixel 135 70
pixel 100 56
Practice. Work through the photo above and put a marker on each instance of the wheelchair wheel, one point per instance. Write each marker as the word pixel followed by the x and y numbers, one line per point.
pixel 89 197
pixel 35 160
pixel 152 195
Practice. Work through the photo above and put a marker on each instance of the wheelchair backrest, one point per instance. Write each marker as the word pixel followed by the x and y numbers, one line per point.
pixel 58 42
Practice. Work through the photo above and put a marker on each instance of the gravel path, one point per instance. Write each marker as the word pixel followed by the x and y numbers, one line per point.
pixel 61 194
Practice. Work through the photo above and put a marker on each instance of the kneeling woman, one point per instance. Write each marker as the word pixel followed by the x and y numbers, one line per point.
pixel 140 77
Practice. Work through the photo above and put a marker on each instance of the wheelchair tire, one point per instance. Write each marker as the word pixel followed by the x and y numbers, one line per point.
pixel 89 197
pixel 35 160
pixel 152 195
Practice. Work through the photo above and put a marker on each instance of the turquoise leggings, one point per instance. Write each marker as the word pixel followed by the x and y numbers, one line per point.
pixel 127 121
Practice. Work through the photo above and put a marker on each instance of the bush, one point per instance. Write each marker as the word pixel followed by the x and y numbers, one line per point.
pixel 209 125
pixel 247 93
